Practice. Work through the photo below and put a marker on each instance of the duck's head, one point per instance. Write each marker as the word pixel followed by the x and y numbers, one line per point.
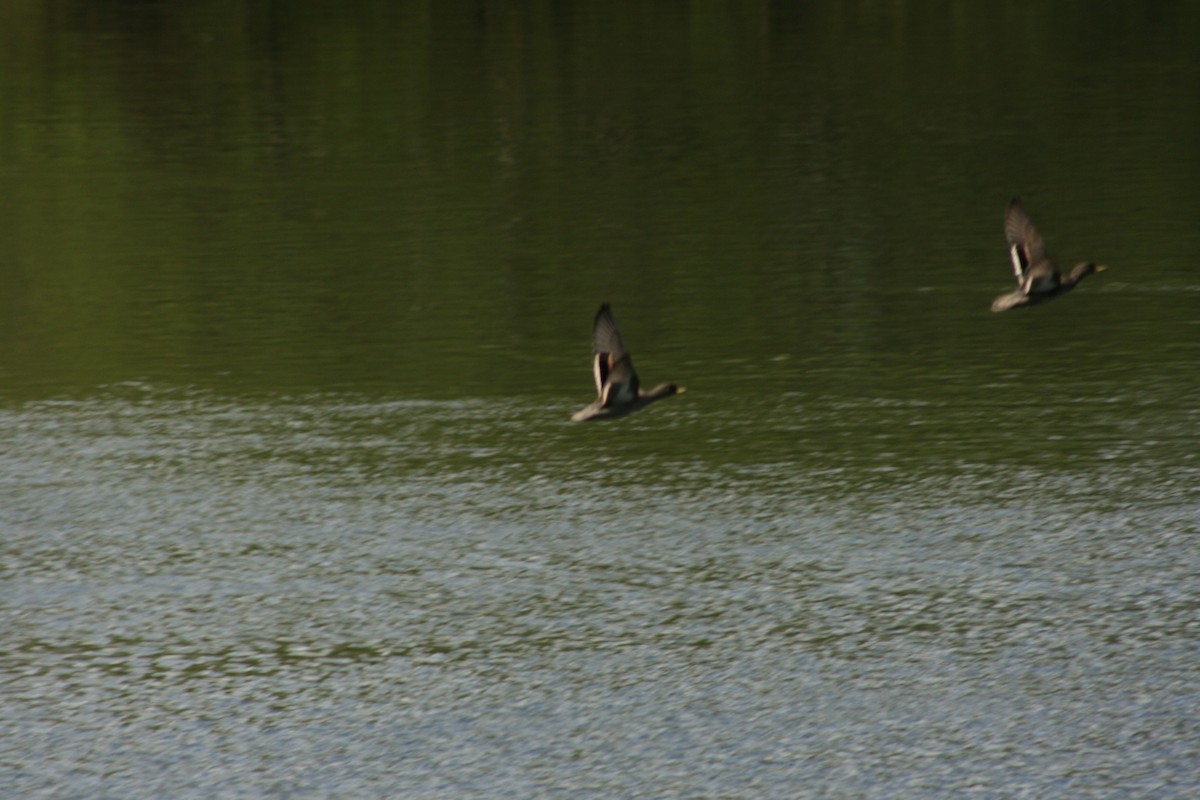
pixel 666 390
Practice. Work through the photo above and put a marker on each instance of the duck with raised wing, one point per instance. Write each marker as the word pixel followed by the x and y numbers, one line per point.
pixel 1038 279
pixel 617 390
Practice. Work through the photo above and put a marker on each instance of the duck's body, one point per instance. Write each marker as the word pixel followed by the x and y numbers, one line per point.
pixel 617 390
pixel 1038 279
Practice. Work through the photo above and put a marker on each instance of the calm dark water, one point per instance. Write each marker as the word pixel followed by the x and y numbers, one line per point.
pixel 296 306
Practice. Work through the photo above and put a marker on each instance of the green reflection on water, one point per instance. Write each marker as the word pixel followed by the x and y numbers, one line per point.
pixel 429 201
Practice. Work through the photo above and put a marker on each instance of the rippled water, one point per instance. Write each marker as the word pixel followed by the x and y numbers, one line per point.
pixel 336 596
pixel 294 308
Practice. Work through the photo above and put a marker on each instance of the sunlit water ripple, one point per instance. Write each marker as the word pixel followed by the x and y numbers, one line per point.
pixel 330 595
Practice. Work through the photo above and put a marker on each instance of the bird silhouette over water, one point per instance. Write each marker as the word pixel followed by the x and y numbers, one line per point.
pixel 1038 279
pixel 617 390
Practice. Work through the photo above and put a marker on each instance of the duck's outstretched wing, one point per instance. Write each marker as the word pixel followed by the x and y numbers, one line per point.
pixel 612 369
pixel 1025 246
pixel 605 336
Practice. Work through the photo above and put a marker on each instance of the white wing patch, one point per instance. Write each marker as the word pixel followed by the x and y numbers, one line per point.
pixel 597 376
pixel 1014 253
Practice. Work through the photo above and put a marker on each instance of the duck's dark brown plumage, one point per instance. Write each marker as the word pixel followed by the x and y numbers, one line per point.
pixel 617 389
pixel 1038 279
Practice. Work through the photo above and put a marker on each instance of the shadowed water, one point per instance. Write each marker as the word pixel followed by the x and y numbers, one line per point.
pixel 297 305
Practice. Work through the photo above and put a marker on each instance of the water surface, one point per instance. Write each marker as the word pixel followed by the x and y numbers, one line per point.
pixel 296 306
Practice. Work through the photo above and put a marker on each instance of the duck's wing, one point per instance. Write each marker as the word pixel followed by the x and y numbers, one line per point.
pixel 605 336
pixel 612 369
pixel 1025 246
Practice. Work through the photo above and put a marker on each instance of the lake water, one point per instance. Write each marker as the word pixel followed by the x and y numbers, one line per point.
pixel 296 305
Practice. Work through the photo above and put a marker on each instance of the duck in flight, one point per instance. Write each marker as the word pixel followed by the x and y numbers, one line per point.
pixel 1038 280
pixel 617 390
